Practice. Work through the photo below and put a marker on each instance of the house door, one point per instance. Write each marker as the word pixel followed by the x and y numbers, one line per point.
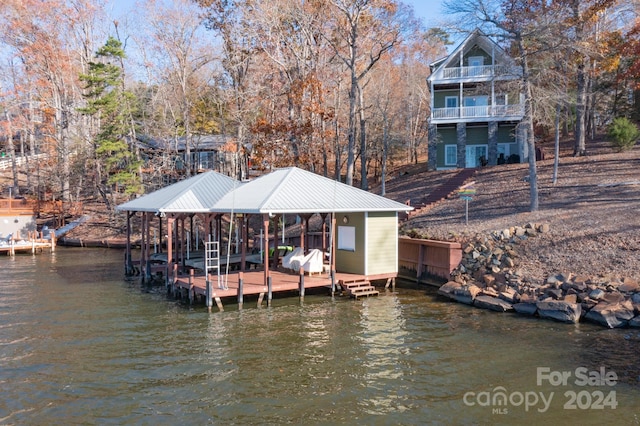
pixel 473 155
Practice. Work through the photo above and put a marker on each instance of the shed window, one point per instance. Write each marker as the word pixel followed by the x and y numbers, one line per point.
pixel 347 238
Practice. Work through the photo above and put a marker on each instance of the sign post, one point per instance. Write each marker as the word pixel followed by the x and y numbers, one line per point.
pixel 467 192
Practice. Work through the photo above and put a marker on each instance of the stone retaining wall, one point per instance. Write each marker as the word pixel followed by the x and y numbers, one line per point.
pixel 486 278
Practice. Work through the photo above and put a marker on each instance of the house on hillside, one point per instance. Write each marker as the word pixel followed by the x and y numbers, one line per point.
pixel 206 153
pixel 476 107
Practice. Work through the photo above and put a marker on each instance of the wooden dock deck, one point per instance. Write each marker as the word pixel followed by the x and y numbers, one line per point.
pixel 194 286
pixel 32 245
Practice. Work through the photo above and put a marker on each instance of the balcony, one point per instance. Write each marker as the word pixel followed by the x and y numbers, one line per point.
pixel 479 72
pixel 477 113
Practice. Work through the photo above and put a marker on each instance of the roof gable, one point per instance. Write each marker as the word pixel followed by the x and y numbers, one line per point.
pixel 293 190
pixel 196 194
pixel 476 38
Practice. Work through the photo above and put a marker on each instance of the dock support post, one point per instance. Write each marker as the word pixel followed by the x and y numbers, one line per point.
pixel 191 292
pixel 208 293
pixel 269 291
pixel 240 289
pixel 128 264
pixel 333 282
pixel 174 279
pixel 219 304
pixel 301 285
pixel 391 282
pixel 260 298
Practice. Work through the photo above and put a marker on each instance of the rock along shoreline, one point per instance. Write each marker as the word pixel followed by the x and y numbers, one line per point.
pixel 486 278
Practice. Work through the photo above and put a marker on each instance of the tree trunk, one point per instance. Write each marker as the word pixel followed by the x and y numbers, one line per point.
pixel 580 146
pixel 385 147
pixel 364 184
pixel 12 154
pixel 351 143
pixel 556 152
pixel 528 122
pixel 581 86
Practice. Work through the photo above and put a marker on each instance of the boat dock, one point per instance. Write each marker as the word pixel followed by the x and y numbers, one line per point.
pixel 19 219
pixel 236 285
pixel 33 243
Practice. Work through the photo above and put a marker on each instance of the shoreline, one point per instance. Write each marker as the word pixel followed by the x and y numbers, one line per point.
pixel 488 278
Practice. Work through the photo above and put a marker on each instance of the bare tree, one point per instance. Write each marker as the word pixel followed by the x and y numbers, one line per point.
pixel 366 31
pixel 177 37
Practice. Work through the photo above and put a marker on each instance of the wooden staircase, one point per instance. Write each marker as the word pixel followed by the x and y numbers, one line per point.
pixel 444 191
pixel 358 288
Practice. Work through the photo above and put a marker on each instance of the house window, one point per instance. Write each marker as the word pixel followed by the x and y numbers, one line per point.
pixel 451 101
pixel 476 61
pixel 476 106
pixel 472 101
pixel 450 155
pixel 475 65
pixel 505 151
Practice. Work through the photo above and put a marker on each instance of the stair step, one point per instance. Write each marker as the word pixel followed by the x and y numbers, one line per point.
pixel 365 293
pixel 356 284
pixel 362 287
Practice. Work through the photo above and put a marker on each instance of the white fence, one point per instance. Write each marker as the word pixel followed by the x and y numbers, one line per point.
pixel 5 163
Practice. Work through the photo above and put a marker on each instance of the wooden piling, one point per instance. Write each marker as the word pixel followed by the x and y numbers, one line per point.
pixel 191 292
pixel 219 304
pixel 301 284
pixel 209 293
pixel 240 289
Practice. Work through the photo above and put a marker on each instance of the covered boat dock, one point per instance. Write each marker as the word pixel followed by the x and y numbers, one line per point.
pixel 359 236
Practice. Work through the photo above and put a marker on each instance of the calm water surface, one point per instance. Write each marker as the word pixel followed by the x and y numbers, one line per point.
pixel 81 345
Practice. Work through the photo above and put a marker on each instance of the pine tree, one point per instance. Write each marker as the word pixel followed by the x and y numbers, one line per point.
pixel 111 105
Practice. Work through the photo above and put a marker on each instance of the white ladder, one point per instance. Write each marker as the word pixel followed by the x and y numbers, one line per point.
pixel 212 260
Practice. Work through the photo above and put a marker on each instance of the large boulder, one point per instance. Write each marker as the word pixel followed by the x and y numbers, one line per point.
pixel 612 315
pixel 492 303
pixel 525 308
pixel 466 294
pixel 447 288
pixel 509 295
pixel 559 310
pixel 628 286
pixel 463 293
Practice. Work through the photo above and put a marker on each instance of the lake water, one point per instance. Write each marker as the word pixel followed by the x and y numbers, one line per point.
pixel 79 344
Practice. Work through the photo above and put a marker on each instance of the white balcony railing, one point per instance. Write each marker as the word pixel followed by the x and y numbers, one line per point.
pixel 486 111
pixel 479 71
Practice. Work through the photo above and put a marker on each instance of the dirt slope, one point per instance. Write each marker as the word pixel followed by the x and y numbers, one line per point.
pixel 593 211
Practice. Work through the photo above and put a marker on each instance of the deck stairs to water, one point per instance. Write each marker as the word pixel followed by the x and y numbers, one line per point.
pixel 358 288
